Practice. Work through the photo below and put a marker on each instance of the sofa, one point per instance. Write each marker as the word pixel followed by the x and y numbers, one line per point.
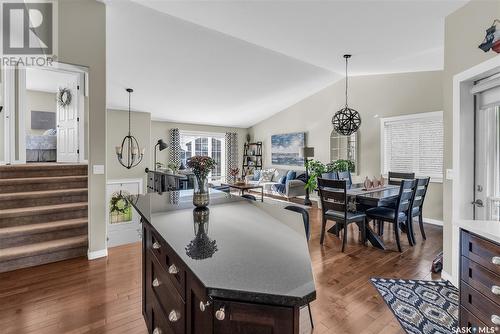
pixel 284 182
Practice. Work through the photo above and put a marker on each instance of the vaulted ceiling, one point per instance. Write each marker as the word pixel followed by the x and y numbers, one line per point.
pixel 235 63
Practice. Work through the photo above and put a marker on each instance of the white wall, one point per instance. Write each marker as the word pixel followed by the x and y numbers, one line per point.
pixel 382 95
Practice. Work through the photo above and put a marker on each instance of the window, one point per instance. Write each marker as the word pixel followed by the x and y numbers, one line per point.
pixel 205 144
pixel 413 143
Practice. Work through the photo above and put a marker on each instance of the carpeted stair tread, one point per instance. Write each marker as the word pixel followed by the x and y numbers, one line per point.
pixel 43 179
pixel 13 231
pixel 43 193
pixel 45 209
pixel 42 248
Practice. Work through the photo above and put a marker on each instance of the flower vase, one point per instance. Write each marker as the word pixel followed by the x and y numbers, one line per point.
pixel 201 197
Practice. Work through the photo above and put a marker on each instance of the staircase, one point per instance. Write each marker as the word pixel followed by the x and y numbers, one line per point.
pixel 43 214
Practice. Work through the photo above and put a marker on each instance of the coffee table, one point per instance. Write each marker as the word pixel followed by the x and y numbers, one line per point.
pixel 245 187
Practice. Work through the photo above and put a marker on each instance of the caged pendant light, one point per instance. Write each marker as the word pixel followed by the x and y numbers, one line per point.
pixel 346 121
pixel 129 154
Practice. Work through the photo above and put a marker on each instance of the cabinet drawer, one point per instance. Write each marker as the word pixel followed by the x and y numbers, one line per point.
pixel 169 261
pixel 481 251
pixel 159 322
pixel 167 295
pixel 481 279
pixel 477 304
pixel 469 320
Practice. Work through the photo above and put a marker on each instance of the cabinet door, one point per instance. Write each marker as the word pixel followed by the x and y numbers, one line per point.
pixel 243 318
pixel 200 310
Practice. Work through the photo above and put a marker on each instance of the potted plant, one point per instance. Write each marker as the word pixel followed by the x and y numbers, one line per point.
pixel 201 166
pixel 342 165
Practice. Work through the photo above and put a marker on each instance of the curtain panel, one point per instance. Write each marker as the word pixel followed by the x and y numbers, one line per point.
pixel 231 153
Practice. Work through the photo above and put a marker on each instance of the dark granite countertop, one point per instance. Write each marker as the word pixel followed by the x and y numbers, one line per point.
pixel 255 252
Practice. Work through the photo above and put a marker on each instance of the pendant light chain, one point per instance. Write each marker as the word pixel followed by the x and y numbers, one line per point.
pixel 346 79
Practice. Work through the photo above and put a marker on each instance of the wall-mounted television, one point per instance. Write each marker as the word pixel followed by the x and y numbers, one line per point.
pixel 43 120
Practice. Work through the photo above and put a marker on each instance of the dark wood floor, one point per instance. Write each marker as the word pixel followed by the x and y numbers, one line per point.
pixel 103 296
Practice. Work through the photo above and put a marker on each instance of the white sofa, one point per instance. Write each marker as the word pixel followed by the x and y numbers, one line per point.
pixel 291 188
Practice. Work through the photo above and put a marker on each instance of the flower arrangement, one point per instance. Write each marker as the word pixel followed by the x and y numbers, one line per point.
pixel 234 172
pixel 201 166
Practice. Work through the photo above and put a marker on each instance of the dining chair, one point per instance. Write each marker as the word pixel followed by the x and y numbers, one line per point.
pixel 394 178
pixel 305 218
pixel 400 214
pixel 330 176
pixel 250 197
pixel 346 176
pixel 334 206
pixel 418 203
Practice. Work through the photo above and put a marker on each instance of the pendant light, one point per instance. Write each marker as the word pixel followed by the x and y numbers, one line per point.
pixel 129 154
pixel 346 121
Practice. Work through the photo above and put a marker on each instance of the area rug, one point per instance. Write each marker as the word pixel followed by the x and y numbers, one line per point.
pixel 421 307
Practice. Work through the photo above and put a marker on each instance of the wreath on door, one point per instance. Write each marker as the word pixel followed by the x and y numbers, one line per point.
pixel 64 97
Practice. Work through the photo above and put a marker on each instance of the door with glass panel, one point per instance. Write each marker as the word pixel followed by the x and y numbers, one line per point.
pixel 487 156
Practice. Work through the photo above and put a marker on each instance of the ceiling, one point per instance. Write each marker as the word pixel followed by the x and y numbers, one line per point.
pixel 235 63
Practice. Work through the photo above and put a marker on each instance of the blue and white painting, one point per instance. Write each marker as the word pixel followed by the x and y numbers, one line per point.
pixel 285 149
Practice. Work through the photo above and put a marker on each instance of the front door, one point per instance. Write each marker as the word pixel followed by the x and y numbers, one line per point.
pixel 67 122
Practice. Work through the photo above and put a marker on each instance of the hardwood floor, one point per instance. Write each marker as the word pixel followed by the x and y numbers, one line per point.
pixel 104 296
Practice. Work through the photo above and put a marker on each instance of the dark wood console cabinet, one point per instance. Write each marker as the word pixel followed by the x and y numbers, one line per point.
pixel 479 282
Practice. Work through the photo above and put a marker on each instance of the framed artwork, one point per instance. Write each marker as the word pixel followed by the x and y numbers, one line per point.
pixel 285 149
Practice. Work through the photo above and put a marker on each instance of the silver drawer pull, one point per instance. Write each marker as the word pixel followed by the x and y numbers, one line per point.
pixel 156 245
pixel 495 260
pixel 173 270
pixel 203 306
pixel 174 316
pixel 495 290
pixel 495 319
pixel 220 314
pixel 156 331
pixel 156 283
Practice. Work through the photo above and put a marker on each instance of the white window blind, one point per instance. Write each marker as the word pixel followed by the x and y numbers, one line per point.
pixel 413 143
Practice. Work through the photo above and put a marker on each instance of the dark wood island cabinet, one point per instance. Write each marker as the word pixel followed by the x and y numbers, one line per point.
pixel 237 267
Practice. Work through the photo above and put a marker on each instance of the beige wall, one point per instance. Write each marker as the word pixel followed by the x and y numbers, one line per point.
pixel 464 31
pixel 161 129
pixel 117 129
pixel 382 95
pixel 38 101
pixel 82 41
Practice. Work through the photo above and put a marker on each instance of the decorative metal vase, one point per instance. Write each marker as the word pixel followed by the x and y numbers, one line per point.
pixel 201 197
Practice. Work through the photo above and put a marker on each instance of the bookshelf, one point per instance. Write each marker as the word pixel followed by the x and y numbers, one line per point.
pixel 252 158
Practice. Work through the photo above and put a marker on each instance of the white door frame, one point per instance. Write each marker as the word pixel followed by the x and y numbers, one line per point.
pixel 9 81
pixel 463 150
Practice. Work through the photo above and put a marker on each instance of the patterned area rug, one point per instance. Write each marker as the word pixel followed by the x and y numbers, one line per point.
pixel 421 307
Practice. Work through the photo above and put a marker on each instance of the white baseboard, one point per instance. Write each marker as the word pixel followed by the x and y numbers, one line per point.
pixel 433 221
pixel 446 277
pixel 97 254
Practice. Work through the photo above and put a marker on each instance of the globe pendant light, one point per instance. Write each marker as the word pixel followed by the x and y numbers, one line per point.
pixel 346 121
pixel 129 154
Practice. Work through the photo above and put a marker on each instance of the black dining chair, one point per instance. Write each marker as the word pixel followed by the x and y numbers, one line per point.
pixel 334 202
pixel 330 176
pixel 305 218
pixel 401 214
pixel 250 197
pixel 418 203
pixel 394 178
pixel 345 176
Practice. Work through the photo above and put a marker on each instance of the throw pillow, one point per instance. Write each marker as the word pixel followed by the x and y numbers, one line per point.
pixel 291 175
pixel 256 175
pixel 282 180
pixel 50 132
pixel 266 175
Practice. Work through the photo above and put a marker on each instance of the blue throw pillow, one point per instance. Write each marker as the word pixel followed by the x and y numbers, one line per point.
pixel 256 175
pixel 282 180
pixel 291 175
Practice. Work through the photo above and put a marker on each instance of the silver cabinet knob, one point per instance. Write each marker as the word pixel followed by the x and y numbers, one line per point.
pixel 157 331
pixel 220 314
pixel 495 319
pixel 173 270
pixel 495 290
pixel 156 283
pixel 203 306
pixel 174 316
pixel 156 245
pixel 495 260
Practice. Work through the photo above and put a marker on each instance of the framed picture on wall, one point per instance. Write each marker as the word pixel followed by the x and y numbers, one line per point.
pixel 285 149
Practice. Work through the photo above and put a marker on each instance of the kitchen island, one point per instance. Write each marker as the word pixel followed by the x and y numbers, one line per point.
pixel 236 267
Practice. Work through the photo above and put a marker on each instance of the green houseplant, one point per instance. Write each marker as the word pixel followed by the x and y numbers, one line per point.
pixel 317 168
pixel 342 165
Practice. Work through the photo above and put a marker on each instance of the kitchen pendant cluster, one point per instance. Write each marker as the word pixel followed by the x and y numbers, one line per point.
pixel 346 121
pixel 129 154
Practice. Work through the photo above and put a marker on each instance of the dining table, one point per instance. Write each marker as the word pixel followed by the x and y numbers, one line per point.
pixel 361 199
